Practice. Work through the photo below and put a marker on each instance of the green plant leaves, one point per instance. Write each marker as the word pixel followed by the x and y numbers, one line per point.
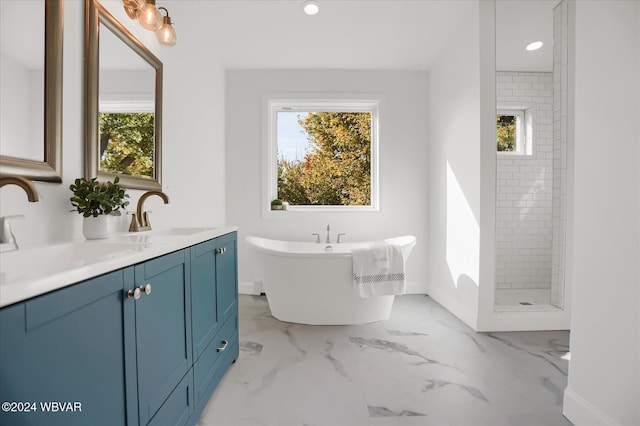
pixel 93 198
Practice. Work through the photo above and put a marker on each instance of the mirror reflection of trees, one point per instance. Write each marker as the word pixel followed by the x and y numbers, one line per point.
pixel 127 143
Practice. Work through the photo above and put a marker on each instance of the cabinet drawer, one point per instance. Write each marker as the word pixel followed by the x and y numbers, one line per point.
pixel 208 364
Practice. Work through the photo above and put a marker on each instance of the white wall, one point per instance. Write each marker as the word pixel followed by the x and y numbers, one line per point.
pixel 560 291
pixel 403 168
pixel 17 104
pixel 193 132
pixel 603 386
pixel 524 187
pixel 454 179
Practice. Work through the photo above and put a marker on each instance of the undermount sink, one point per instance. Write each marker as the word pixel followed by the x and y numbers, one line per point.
pixel 183 231
pixel 186 231
pixel 36 270
pixel 177 231
pixel 32 262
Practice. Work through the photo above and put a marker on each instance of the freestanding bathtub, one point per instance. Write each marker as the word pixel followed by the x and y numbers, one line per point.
pixel 311 283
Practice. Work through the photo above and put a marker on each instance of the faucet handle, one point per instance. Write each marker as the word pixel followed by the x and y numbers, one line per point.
pixel 135 224
pixel 145 219
pixel 6 234
pixel 317 238
pixel 339 240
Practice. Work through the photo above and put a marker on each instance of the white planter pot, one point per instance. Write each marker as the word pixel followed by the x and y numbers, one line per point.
pixel 95 228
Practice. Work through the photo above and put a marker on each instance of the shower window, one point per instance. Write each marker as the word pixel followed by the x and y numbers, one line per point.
pixel 514 131
pixel 323 154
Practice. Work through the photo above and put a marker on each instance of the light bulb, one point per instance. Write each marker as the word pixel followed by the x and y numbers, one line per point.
pixel 166 34
pixel 534 46
pixel 149 16
pixel 311 7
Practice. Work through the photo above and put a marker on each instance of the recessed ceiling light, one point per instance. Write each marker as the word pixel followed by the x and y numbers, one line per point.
pixel 534 46
pixel 311 7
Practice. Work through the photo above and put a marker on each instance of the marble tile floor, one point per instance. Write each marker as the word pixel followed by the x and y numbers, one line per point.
pixel 421 367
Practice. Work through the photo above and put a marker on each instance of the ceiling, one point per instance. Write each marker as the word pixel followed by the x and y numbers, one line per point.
pixel 362 34
pixel 519 23
pixel 346 34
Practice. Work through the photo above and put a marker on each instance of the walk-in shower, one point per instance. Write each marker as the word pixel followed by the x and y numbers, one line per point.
pixel 531 136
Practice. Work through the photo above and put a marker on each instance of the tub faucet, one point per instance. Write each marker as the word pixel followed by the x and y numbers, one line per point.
pixel 339 240
pixel 6 235
pixel 139 219
pixel 328 241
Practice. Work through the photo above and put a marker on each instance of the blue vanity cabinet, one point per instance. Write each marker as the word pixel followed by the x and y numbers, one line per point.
pixel 204 314
pixel 214 313
pixel 65 354
pixel 163 332
pixel 214 288
pixel 227 276
pixel 98 354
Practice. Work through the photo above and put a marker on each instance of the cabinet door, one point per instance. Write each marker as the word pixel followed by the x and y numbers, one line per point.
pixel 204 315
pixel 163 330
pixel 226 277
pixel 64 354
pixel 214 287
pixel 177 409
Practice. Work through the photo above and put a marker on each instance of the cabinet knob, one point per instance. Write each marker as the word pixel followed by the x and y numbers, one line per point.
pixel 224 346
pixel 136 293
pixel 146 288
pixel 221 250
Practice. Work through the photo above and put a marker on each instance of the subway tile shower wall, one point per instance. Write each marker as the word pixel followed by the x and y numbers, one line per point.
pixel 560 104
pixel 524 192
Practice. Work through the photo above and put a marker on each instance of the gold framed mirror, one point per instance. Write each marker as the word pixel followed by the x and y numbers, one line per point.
pixel 123 104
pixel 31 80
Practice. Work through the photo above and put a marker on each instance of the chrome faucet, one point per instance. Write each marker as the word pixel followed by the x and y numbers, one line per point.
pixel 6 234
pixel 328 241
pixel 139 219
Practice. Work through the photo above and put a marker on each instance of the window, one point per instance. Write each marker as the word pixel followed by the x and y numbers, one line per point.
pixel 513 131
pixel 323 154
pixel 126 134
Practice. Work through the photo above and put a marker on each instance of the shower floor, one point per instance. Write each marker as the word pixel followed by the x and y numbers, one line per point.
pixel 531 299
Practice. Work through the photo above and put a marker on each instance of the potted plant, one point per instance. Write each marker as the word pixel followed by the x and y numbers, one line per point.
pixel 276 204
pixel 94 201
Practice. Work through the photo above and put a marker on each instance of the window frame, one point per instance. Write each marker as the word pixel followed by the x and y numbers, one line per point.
pixel 347 104
pixel 524 129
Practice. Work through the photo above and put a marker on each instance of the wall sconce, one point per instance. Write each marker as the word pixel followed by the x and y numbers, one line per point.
pixel 150 17
pixel 166 34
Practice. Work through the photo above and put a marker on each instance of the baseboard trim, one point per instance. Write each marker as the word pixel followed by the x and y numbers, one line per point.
pixel 415 287
pixel 579 411
pixel 524 321
pixel 249 287
pixel 454 307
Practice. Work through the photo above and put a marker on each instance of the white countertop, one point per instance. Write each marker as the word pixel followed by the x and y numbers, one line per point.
pixel 33 271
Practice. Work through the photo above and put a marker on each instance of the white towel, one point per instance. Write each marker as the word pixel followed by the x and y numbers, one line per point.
pixel 379 270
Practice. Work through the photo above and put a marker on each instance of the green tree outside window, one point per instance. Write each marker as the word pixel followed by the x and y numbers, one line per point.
pixel 336 170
